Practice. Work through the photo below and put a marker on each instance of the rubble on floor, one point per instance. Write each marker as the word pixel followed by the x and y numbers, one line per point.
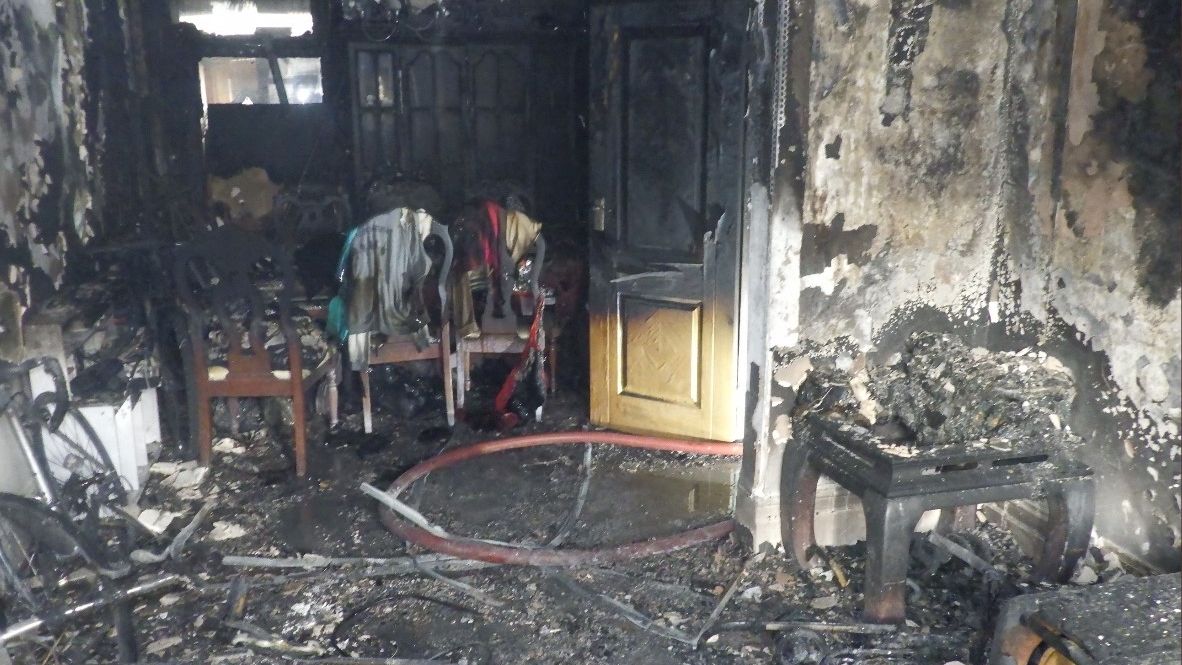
pixel 281 570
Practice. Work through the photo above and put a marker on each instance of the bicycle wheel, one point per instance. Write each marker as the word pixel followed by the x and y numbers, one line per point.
pixel 78 467
pixel 48 565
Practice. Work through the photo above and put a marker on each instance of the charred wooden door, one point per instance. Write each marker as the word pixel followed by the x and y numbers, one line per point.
pixel 667 97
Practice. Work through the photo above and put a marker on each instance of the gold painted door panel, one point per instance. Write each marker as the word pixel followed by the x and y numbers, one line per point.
pixel 666 113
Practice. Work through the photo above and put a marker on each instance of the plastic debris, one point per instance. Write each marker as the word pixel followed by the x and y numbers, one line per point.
pixel 226 531
pixel 824 603
pixel 156 521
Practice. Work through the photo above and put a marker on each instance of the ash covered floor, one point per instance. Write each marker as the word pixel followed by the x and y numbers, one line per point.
pixel 518 614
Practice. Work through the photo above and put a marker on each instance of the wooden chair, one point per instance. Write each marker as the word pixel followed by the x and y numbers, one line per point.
pixel 498 336
pixel 402 349
pixel 217 276
pixel 303 213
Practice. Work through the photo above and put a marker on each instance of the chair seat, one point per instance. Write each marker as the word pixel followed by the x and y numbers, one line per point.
pixel 219 372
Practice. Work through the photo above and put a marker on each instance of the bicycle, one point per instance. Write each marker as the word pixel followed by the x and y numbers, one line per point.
pixel 65 537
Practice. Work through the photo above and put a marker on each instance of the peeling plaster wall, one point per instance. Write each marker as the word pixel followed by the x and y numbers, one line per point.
pixel 959 176
pixel 1108 260
pixel 47 176
pixel 1115 259
pixel 904 201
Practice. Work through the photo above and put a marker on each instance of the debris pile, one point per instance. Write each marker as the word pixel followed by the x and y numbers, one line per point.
pixel 106 341
pixel 944 391
pixel 280 570
pixel 315 576
pixel 940 391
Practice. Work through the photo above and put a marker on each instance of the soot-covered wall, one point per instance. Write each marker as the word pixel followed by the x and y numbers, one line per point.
pixel 904 192
pixel 1008 170
pixel 47 169
pixel 1107 262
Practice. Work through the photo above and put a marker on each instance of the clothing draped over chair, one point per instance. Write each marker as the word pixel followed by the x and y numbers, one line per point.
pixel 388 265
pixel 485 235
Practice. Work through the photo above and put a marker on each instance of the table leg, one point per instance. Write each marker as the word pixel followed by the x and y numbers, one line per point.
pixel 1070 511
pixel 957 518
pixel 798 496
pixel 889 525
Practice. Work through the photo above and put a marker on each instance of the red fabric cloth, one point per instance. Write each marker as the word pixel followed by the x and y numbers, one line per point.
pixel 477 236
pixel 529 366
pixel 491 242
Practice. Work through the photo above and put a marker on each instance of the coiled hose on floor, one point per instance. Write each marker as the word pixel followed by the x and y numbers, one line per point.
pixel 479 550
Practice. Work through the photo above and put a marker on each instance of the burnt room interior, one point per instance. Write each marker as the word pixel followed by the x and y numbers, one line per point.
pixel 798 332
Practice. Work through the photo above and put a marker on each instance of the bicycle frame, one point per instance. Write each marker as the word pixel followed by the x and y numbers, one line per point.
pixel 10 425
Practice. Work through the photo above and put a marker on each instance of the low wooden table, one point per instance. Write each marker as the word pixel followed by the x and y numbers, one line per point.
pixel 898 483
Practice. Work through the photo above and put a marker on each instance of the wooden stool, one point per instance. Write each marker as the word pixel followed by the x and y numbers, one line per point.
pixel 897 484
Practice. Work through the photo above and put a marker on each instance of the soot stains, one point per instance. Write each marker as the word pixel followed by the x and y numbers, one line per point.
pixel 822 243
pixel 833 150
pixel 1142 131
pixel 938 152
pixel 908 37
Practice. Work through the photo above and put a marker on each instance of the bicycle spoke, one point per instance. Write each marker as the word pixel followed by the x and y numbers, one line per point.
pixel 53 651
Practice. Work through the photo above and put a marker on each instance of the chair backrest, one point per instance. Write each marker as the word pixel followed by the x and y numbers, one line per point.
pixel 440 231
pixel 219 275
pixel 302 213
pixel 387 194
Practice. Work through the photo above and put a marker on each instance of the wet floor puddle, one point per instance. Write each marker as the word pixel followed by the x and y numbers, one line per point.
pixel 318 524
pixel 704 490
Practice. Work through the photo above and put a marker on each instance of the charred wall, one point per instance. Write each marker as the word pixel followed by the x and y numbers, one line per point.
pixel 47 155
pixel 72 145
pixel 904 199
pixel 1107 261
pixel 1008 170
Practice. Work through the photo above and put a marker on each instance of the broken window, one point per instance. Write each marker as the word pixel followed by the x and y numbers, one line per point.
pixel 279 18
pixel 252 81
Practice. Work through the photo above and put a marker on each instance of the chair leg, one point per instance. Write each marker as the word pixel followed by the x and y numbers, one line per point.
pixel 459 380
pixel 466 356
pixel 234 409
pixel 203 429
pixel 1070 510
pixel 798 495
pixel 334 401
pixel 889 525
pixel 449 398
pixel 552 357
pixel 366 403
pixel 461 371
pixel 299 424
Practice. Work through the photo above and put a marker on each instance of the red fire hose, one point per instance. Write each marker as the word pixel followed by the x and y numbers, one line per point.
pixel 467 548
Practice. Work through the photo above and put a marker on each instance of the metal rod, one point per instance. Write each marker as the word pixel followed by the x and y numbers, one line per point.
pixel 817 626
pixel 277 77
